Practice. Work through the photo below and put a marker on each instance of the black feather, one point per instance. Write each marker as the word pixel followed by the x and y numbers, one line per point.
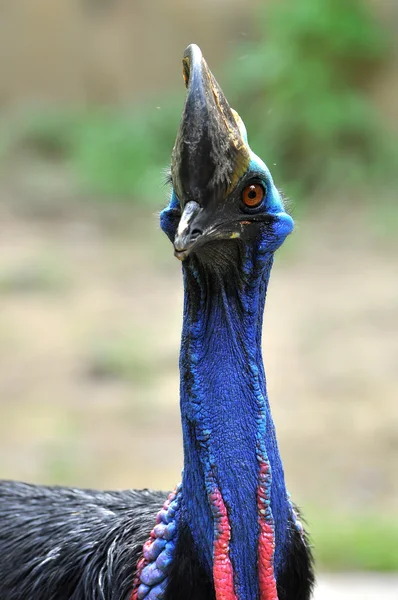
pixel 69 544
pixel 167 177
pixel 188 580
pixel 296 581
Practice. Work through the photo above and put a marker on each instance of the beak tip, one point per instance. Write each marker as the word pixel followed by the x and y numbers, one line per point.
pixel 181 254
pixel 192 61
pixel 193 52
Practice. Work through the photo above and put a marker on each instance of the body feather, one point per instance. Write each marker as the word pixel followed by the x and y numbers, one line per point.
pixel 62 543
pixel 70 544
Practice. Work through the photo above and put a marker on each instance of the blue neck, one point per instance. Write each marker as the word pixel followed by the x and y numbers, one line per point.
pixel 225 411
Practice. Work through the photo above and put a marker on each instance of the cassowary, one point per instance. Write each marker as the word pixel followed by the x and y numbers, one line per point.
pixel 229 531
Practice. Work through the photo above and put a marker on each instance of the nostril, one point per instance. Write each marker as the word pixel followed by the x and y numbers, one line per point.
pixel 195 233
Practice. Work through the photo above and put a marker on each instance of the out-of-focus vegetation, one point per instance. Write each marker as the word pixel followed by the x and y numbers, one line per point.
pixel 112 153
pixel 302 89
pixel 347 542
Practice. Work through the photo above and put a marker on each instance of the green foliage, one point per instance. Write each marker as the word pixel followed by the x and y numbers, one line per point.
pixel 302 91
pixel 111 152
pixel 125 155
pixel 354 542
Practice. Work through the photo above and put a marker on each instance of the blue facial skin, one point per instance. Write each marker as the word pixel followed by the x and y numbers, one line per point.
pixel 224 403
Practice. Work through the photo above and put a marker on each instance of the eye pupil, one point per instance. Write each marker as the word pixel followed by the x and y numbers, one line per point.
pixel 253 195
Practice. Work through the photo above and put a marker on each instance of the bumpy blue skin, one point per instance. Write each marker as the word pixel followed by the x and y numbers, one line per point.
pixel 224 403
pixel 154 576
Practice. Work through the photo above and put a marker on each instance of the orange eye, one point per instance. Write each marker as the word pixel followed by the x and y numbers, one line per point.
pixel 253 195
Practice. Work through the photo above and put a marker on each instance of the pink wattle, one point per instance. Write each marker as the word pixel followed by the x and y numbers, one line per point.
pixel 140 566
pixel 144 561
pixel 266 541
pixel 223 574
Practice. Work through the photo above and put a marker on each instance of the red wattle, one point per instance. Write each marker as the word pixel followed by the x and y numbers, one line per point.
pixel 266 541
pixel 223 573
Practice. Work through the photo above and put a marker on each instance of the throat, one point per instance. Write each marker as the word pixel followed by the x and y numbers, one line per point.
pixel 235 501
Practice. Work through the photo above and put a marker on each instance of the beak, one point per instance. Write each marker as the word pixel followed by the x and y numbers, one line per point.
pixel 210 153
pixel 187 232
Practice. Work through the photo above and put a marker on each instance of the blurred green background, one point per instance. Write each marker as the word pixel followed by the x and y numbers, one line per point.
pixel 90 99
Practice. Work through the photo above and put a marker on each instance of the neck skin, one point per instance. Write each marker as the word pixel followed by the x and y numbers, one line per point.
pixel 227 427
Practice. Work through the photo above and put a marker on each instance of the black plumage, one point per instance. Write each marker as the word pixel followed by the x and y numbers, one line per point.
pixel 70 544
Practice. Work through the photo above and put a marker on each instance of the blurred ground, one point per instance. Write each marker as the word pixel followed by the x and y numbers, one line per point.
pixel 354 587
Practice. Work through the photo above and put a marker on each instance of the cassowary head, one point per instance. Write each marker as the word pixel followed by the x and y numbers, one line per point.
pixel 221 190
